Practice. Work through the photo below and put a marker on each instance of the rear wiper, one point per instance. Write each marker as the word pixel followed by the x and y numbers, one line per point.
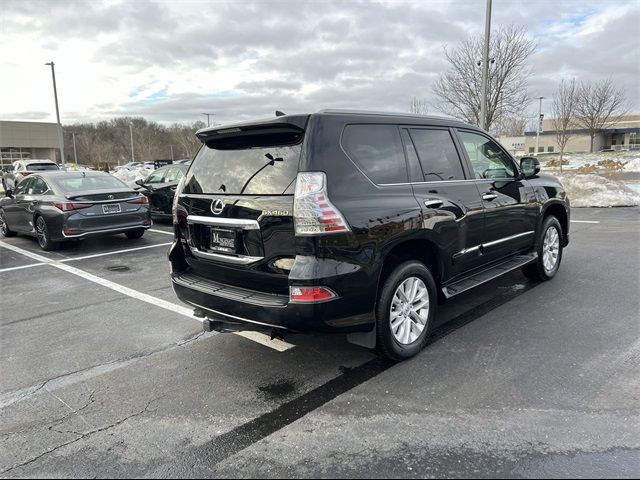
pixel 272 161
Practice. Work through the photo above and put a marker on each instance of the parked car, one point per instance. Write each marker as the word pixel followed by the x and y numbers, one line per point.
pixel 128 166
pixel 160 187
pixel 184 161
pixel 22 169
pixel 59 206
pixel 358 223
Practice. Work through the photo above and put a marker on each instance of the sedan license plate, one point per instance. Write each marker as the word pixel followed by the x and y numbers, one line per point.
pixel 111 208
pixel 223 240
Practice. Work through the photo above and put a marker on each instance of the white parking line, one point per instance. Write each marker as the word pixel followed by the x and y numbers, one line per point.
pixel 75 259
pixel 10 269
pixel 160 231
pixel 584 221
pixel 158 302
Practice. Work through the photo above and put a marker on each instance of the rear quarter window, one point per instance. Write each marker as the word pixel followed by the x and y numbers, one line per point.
pixel 377 151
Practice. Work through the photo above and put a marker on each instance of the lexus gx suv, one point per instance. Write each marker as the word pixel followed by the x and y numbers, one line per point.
pixel 355 222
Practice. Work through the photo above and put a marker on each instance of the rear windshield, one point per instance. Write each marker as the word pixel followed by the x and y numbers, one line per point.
pixel 245 171
pixel 82 184
pixel 41 167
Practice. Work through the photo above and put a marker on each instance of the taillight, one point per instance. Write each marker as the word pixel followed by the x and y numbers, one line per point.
pixel 313 213
pixel 66 206
pixel 24 174
pixel 141 200
pixel 310 294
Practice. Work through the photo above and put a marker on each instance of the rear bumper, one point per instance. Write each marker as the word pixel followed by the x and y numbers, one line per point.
pixel 108 231
pixel 351 311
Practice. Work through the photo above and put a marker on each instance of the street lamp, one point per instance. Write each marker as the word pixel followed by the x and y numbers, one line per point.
pixel 75 153
pixel 208 115
pixel 55 95
pixel 133 158
pixel 485 68
pixel 539 127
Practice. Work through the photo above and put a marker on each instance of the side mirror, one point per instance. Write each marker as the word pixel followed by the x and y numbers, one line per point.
pixel 140 182
pixel 9 193
pixel 530 166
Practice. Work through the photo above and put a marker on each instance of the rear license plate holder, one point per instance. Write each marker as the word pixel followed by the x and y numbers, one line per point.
pixel 111 208
pixel 223 240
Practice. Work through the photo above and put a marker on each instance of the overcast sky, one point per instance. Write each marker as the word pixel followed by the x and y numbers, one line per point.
pixel 170 61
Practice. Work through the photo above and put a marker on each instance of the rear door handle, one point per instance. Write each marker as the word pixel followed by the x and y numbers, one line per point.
pixel 433 203
pixel 489 196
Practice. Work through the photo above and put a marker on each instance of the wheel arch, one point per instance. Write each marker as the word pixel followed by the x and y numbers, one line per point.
pixel 558 210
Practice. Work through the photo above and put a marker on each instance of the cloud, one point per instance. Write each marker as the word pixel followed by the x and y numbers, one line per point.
pixel 170 61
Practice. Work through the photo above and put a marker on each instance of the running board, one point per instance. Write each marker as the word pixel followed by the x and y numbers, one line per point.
pixel 484 276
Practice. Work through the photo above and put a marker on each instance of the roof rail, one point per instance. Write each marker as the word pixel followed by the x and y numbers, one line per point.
pixel 388 114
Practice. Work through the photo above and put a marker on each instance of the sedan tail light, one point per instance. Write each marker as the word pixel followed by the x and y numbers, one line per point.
pixel 67 206
pixel 25 174
pixel 141 200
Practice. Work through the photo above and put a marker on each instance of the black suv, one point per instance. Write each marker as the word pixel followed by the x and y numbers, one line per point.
pixel 356 222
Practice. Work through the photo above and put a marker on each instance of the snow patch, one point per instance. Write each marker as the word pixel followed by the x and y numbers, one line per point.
pixel 131 176
pixel 592 190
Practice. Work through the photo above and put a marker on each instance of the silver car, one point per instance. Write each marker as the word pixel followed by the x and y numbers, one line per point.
pixel 58 206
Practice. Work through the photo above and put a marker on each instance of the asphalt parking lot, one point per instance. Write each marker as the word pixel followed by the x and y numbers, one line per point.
pixel 105 374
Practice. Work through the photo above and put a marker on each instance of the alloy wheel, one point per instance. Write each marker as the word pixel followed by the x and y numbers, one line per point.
pixel 41 232
pixel 409 310
pixel 550 249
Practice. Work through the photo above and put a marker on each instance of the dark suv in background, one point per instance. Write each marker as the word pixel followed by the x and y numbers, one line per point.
pixel 356 222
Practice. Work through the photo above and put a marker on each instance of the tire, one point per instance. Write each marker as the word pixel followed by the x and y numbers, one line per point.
pixel 549 250
pixel 133 234
pixel 44 236
pixel 400 338
pixel 5 231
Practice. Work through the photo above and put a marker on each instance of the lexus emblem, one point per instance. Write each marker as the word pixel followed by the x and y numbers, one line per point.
pixel 110 197
pixel 217 206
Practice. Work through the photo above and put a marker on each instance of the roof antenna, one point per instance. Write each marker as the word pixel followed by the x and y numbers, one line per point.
pixel 280 114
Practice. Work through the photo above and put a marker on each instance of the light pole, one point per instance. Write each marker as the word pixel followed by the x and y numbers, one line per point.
pixel 75 154
pixel 133 158
pixel 55 96
pixel 485 68
pixel 208 115
pixel 539 127
pixel 171 152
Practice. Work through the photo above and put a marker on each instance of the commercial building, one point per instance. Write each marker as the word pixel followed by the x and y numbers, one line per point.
pixel 25 140
pixel 621 135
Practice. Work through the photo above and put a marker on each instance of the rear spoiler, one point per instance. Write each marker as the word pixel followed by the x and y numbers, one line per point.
pixel 284 130
pixel 88 193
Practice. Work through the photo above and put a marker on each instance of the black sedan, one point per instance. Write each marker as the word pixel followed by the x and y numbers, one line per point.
pixel 160 187
pixel 58 206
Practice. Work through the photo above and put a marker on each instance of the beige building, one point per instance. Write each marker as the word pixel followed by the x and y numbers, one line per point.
pixel 25 140
pixel 623 135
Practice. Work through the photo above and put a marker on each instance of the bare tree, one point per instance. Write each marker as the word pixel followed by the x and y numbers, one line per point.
pixel 564 109
pixel 510 126
pixel 599 104
pixel 418 106
pixel 459 90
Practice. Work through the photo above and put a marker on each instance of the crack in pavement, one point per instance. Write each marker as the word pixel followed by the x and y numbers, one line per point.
pixel 71 378
pixel 80 437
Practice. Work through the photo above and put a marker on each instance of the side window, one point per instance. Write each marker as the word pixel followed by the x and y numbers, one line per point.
pixel 156 177
pixel 24 186
pixel 377 150
pixel 172 175
pixel 438 155
pixel 487 158
pixel 38 186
